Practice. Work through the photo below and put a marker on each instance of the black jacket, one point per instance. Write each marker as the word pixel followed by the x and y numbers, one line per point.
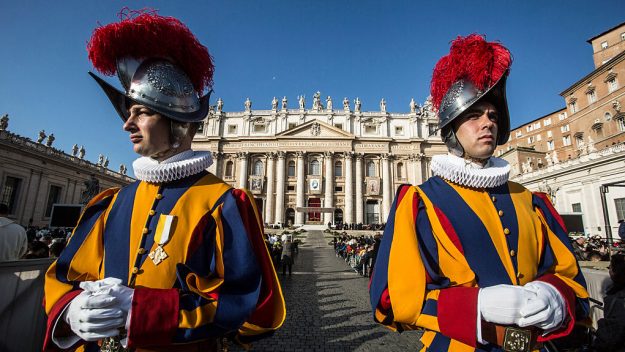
pixel 611 329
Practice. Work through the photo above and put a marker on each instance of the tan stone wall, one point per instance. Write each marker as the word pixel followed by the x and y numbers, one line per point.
pixel 39 167
pixel 615 43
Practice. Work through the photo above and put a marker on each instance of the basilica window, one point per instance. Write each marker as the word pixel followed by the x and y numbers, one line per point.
pixel 620 123
pixel 591 96
pixel 432 128
pixel 619 203
pixel 229 166
pixel 232 129
pixel 550 145
pixel 10 193
pixel 315 167
pixel 291 169
pixel 371 129
pixel 338 169
pixel 370 172
pixel 573 106
pixel 54 195
pixel 400 170
pixel 612 84
pixel 566 140
pixel 258 168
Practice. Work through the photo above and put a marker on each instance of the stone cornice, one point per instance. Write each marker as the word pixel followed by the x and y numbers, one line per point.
pixel 53 155
pixel 592 75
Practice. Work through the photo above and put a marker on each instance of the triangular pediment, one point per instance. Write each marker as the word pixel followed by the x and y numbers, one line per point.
pixel 315 129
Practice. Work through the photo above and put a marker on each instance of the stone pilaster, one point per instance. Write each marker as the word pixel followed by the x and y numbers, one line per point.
pixel 329 186
pixel 360 214
pixel 386 187
pixel 243 157
pixel 301 179
pixel 269 200
pixel 418 168
pixel 279 211
pixel 348 217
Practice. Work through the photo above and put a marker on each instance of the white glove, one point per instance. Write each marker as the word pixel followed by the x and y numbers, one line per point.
pixel 123 295
pixel 547 310
pixel 95 286
pixel 93 317
pixel 113 287
pixel 503 304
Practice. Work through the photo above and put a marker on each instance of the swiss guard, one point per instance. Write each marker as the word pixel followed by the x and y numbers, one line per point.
pixel 476 261
pixel 175 261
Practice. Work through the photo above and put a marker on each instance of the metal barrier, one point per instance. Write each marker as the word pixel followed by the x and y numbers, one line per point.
pixel 22 318
pixel 23 321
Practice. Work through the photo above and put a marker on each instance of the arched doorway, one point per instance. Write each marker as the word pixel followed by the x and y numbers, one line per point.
pixel 259 205
pixel 289 218
pixel 372 212
pixel 314 216
pixel 338 216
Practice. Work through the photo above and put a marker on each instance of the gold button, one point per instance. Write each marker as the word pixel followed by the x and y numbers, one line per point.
pixel 494 199
pixel 512 252
pixel 145 230
pixel 159 196
pixel 135 270
pixel 500 213
pixel 506 231
pixel 141 250
pixel 152 212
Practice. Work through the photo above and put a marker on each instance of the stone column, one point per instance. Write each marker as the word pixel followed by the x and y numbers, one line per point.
pixel 360 214
pixel 301 179
pixel 386 187
pixel 269 207
pixel 349 189
pixel 213 168
pixel 329 186
pixel 418 168
pixel 242 169
pixel 218 161
pixel 279 211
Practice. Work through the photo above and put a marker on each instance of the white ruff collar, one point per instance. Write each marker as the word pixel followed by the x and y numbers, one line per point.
pixel 177 167
pixel 460 171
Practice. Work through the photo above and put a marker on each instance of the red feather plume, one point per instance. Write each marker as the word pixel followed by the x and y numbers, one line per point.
pixel 473 58
pixel 145 34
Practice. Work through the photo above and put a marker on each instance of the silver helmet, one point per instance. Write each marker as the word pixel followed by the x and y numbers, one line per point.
pixel 474 70
pixel 159 85
pixel 463 94
pixel 159 62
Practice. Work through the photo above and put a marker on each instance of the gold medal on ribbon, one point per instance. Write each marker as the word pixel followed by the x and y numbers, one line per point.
pixel 163 232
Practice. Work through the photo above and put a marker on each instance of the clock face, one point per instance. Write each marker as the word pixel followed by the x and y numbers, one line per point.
pixel 315 184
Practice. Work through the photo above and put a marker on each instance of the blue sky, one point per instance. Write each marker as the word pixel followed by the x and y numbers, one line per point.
pixel 366 49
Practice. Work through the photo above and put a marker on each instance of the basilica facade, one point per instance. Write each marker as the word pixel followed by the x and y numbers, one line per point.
pixel 321 165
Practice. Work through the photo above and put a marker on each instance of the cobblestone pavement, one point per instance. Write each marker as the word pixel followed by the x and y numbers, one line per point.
pixel 328 307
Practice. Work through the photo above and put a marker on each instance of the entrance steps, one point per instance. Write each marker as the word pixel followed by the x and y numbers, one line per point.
pixel 313 227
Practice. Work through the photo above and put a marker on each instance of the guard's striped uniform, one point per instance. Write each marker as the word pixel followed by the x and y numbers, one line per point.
pixel 218 277
pixel 443 241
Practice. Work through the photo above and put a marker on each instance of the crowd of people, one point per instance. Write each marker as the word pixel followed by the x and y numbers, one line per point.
pixel 358 251
pixel 595 248
pixel 31 242
pixel 283 250
pixel 340 226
